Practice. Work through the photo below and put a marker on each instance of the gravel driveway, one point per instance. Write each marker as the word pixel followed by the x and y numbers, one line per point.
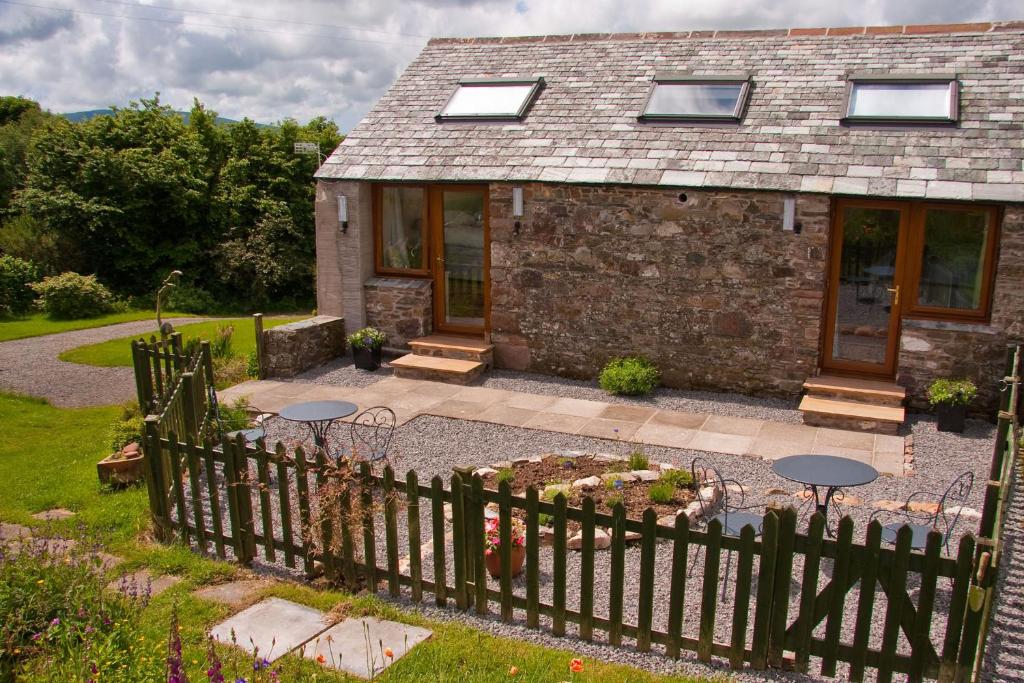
pixel 31 366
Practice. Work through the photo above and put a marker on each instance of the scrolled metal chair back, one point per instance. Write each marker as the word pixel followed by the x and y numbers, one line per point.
pixel 706 474
pixel 371 433
pixel 951 505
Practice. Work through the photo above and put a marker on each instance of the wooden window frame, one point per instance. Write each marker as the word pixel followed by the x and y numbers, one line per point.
pixel 911 308
pixel 904 79
pixel 676 78
pixel 378 232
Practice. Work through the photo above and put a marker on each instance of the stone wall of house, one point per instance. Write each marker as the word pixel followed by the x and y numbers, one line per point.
pixel 344 254
pixel 704 283
pixel 929 350
pixel 302 345
pixel 400 307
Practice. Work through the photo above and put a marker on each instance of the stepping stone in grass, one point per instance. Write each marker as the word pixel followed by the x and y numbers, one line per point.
pixel 233 594
pixel 53 515
pixel 137 583
pixel 275 626
pixel 357 645
pixel 12 532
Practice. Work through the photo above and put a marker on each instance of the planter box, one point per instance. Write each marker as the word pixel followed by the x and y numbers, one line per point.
pixel 951 418
pixel 117 470
pixel 366 359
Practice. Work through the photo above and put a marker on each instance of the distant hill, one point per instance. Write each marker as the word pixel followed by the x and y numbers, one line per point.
pixel 78 116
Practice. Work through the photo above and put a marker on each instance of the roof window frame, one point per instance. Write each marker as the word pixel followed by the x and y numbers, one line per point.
pixel 685 77
pixel 908 78
pixel 537 82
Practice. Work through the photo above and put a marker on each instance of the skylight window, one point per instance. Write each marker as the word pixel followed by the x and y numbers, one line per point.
pixel 501 99
pixel 902 98
pixel 686 97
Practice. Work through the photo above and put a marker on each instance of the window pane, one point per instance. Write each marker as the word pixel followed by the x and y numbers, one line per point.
pixel 402 227
pixel 901 100
pixel 488 100
pixel 694 99
pixel 953 262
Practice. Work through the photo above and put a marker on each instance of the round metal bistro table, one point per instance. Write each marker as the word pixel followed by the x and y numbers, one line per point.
pixel 829 472
pixel 318 416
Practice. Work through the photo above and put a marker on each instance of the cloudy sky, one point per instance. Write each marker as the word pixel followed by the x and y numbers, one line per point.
pixel 273 59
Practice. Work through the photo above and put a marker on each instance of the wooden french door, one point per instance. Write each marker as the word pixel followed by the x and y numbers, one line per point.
pixel 862 327
pixel 460 258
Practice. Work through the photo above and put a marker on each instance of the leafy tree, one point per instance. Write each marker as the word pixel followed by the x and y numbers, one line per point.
pixel 18 118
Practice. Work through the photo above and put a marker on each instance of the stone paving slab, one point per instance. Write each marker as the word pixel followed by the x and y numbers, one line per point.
pixel 275 627
pixel 53 515
pixel 233 594
pixel 356 646
pixel 640 424
pixel 142 580
pixel 12 532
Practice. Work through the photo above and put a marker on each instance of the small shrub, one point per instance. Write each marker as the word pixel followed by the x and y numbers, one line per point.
pixel 613 484
pixel 16 296
pixel 252 365
pixel 367 338
pixel 613 500
pixel 550 494
pixel 544 519
pixel 661 492
pixel 638 460
pixel 952 392
pixel 233 416
pixel 70 296
pixel 189 299
pixel 229 371
pixel 220 345
pixel 632 376
pixel 505 474
pixel 679 479
pixel 126 429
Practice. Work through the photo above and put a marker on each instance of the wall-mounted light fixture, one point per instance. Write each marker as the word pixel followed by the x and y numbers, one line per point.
pixel 343 213
pixel 517 207
pixel 789 223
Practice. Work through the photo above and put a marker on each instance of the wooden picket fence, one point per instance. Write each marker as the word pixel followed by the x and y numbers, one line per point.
pixel 174 386
pixel 791 590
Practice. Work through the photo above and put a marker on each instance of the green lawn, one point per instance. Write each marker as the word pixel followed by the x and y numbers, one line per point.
pixel 47 459
pixel 117 352
pixel 39 324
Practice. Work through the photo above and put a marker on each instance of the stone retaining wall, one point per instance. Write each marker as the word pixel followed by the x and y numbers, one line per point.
pixel 399 307
pixel 300 346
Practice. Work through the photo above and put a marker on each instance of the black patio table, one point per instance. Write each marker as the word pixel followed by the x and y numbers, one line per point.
pixel 318 416
pixel 831 472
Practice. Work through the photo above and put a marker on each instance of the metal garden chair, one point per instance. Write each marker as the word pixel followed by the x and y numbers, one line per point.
pixel 732 514
pixel 371 432
pixel 252 434
pixel 944 519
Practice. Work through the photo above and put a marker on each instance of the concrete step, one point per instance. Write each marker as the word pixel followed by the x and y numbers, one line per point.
pixel 437 369
pixel 450 346
pixel 856 390
pixel 839 414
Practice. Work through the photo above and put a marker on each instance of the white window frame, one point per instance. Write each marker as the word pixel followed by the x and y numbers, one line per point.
pixel 684 78
pixel 953 110
pixel 517 115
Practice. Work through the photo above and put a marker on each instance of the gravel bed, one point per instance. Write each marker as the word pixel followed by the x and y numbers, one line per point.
pixel 341 372
pixel 433 446
pixel 31 366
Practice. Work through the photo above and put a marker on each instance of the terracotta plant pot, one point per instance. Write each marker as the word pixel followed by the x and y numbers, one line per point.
pixel 366 359
pixel 493 562
pixel 951 418
pixel 120 469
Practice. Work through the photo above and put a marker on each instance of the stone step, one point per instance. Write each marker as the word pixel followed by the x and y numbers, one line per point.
pixel 450 346
pixel 856 390
pixel 839 414
pixel 437 369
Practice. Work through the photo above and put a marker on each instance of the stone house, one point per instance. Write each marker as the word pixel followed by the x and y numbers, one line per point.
pixel 749 209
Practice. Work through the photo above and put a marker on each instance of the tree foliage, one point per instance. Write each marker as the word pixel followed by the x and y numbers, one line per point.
pixel 133 195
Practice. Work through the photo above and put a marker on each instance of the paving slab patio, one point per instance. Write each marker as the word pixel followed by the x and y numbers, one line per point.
pixel 356 646
pixel 274 627
pixel 638 424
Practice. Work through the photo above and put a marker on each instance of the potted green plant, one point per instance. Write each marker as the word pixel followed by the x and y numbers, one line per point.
pixel 125 464
pixel 950 398
pixel 493 549
pixel 366 347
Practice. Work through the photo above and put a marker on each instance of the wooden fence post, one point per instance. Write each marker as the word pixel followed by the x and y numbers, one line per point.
pixel 257 320
pixel 154 477
pixel 188 396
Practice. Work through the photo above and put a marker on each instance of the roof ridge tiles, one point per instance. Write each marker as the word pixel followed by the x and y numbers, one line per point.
pixel 904 29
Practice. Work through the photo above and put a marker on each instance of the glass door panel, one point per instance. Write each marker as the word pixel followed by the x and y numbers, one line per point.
pixel 865 288
pixel 460 275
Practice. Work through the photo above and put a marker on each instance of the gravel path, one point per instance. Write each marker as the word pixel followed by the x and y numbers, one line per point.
pixel 434 445
pixel 1004 655
pixel 31 366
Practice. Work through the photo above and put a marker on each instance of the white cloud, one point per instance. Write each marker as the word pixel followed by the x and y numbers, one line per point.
pixel 275 59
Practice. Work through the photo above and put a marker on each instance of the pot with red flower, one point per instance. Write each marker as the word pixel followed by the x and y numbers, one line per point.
pixel 493 550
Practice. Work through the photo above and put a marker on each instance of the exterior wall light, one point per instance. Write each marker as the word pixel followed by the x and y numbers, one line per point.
pixel 517 207
pixel 789 223
pixel 343 213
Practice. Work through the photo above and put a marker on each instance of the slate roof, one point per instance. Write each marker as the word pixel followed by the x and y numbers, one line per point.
pixel 583 126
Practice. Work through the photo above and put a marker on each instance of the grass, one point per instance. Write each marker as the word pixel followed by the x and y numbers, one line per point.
pixel 40 324
pixel 117 352
pixel 48 459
